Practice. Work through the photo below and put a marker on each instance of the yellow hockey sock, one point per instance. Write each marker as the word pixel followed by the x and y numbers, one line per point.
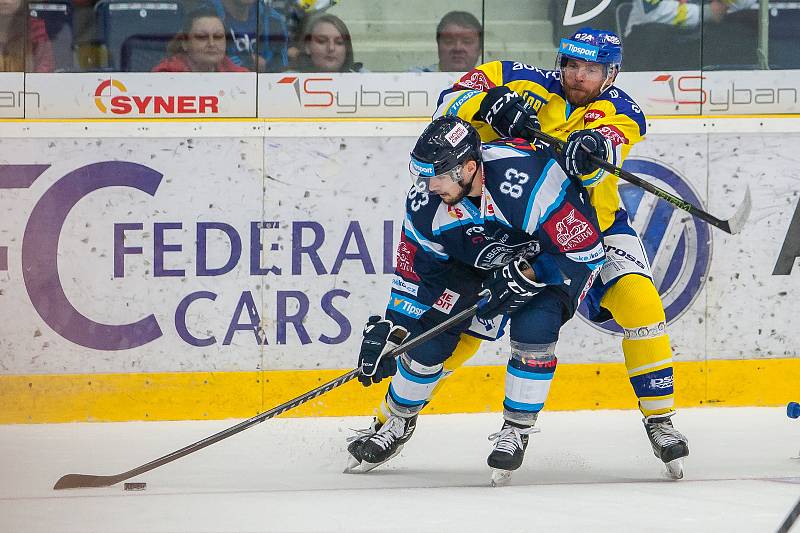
pixel 634 303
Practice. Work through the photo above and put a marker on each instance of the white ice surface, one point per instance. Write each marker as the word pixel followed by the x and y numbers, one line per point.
pixel 586 471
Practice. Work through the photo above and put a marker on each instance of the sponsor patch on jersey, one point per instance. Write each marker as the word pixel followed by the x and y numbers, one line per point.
pixel 592 115
pixel 455 106
pixel 476 80
pixel 400 284
pixel 456 212
pixel 406 306
pixel 613 134
pixel 587 256
pixel 456 135
pixel 446 301
pixel 534 100
pixel 406 252
pixel 589 284
pixel 569 229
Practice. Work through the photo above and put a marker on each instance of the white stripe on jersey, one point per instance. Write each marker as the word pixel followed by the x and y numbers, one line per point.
pixel 495 152
pixel 444 219
pixel 429 246
pixel 452 102
pixel 546 196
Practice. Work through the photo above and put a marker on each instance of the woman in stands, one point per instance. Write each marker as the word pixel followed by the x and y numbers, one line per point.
pixel 326 46
pixel 200 47
pixel 16 53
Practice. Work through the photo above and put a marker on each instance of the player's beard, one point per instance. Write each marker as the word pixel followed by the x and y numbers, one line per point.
pixel 464 188
pixel 579 98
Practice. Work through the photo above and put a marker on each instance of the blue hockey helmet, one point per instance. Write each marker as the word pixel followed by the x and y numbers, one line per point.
pixel 596 46
pixel 446 144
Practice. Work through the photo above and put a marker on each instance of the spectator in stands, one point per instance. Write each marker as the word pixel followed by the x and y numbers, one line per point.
pixel 257 35
pixel 296 13
pixel 200 47
pixel 18 53
pixel 326 46
pixel 459 38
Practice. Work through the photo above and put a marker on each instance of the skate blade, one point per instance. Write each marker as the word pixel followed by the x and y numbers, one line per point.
pixel 675 469
pixel 354 466
pixel 500 477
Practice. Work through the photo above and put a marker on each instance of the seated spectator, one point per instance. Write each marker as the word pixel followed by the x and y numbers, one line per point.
pixel 200 47
pixel 296 13
pixel 327 47
pixel 18 53
pixel 459 38
pixel 257 35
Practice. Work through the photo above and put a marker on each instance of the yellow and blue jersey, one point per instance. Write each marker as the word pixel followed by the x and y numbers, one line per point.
pixel 613 113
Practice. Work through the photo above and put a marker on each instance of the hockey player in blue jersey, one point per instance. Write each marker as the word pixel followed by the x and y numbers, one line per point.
pixel 501 217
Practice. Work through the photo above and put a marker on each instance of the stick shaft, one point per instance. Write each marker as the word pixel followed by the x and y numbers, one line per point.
pixel 724 225
pixel 83 480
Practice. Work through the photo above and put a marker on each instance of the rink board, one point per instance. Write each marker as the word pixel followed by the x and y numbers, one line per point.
pixel 207 272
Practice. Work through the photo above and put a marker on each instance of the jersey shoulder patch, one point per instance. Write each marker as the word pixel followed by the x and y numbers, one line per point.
pixel 622 104
pixel 570 230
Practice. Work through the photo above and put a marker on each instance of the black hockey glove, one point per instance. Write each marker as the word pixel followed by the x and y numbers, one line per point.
pixel 509 290
pixel 580 145
pixel 508 114
pixel 380 337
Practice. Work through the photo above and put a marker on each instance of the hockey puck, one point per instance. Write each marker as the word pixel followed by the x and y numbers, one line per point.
pixel 135 486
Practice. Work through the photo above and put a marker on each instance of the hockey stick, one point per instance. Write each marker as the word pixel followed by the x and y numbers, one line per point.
pixel 74 481
pixel 731 225
pixel 790 519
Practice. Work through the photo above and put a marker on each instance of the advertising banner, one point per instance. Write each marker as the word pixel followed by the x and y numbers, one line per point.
pixel 12 95
pixel 349 95
pixel 356 95
pixel 141 95
pixel 755 92
pixel 149 255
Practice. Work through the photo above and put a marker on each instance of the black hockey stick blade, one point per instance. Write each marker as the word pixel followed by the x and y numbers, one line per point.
pixel 75 481
pixel 732 225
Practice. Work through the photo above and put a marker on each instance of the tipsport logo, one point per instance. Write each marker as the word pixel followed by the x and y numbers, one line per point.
pixel 678 247
pixel 580 50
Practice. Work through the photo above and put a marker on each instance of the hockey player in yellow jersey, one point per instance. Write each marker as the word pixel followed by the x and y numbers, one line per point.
pixel 578 103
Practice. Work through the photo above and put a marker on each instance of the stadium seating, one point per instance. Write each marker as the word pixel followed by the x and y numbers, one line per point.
pixel 141 29
pixel 57 17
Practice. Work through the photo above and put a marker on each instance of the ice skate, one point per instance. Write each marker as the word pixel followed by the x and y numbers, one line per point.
pixel 668 443
pixel 509 450
pixel 372 447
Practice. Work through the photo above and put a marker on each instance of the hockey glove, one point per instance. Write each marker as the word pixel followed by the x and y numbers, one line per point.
pixel 380 337
pixel 508 114
pixel 580 145
pixel 509 290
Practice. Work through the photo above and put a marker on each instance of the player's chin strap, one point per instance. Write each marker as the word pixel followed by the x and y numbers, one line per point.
pixel 731 225
pixel 610 76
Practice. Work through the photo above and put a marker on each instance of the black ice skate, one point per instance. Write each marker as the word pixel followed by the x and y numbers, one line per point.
pixel 509 450
pixel 668 443
pixel 374 446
